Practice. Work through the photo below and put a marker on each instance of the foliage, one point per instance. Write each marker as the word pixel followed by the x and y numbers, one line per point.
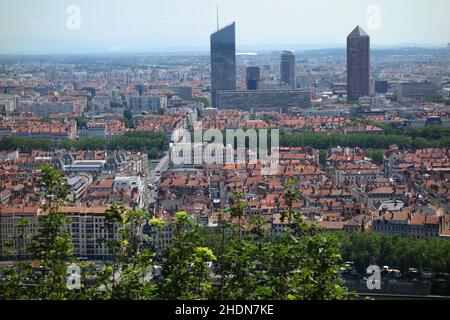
pixel 323 154
pixel 185 273
pixel 25 144
pixel 377 155
pixel 243 261
pixel 128 118
pixel 81 122
pixel 152 143
pixel 52 247
pixel 203 100
pixel 128 275
pixel 45 276
pixel 433 136
pixel 299 264
pixel 366 249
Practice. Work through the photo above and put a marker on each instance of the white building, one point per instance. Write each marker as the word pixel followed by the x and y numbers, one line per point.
pixel 128 182
pixel 186 153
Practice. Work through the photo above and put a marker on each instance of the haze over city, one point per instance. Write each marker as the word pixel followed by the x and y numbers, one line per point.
pixel 145 26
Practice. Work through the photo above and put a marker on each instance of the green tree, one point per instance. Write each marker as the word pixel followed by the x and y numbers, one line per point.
pixel 323 154
pixel 52 248
pixel 203 100
pixel 185 273
pixel 301 263
pixel 377 155
pixel 128 274
pixel 128 118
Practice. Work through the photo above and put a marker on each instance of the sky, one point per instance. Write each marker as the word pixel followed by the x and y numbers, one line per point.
pixel 53 26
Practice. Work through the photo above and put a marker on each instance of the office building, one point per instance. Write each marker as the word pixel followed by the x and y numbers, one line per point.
pixel 421 91
pixel 253 78
pixel 263 100
pixel 184 92
pixel 287 68
pixel 358 64
pixel 223 61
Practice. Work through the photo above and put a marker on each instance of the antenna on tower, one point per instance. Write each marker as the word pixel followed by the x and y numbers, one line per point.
pixel 217 9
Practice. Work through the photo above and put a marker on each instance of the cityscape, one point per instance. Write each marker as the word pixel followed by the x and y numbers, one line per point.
pixel 277 173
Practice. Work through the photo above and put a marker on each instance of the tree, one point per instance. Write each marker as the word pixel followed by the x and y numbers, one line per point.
pixel 203 100
pixel 12 281
pixel 128 118
pixel 128 274
pixel 185 273
pixel 323 154
pixel 52 248
pixel 377 155
pixel 366 249
pixel 301 263
pixel 81 122
pixel 246 262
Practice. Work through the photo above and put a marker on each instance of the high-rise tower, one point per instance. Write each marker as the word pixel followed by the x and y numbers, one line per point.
pixel 287 68
pixel 358 64
pixel 223 61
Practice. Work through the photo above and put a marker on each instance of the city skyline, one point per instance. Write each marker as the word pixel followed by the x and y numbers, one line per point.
pixel 144 27
pixel 250 152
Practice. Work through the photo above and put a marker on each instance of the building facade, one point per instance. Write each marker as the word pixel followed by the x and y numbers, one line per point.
pixel 146 103
pixel 421 91
pixel 279 100
pixel 86 224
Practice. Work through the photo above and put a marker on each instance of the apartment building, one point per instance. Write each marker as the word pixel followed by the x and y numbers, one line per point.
pixel 86 225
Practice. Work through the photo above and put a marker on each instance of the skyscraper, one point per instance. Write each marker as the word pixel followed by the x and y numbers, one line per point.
pixel 287 68
pixel 358 64
pixel 223 61
pixel 253 77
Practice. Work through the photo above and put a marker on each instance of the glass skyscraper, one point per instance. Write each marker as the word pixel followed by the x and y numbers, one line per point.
pixel 358 64
pixel 223 61
pixel 287 68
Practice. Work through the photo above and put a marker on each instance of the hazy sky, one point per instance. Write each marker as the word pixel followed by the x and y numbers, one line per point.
pixel 40 26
